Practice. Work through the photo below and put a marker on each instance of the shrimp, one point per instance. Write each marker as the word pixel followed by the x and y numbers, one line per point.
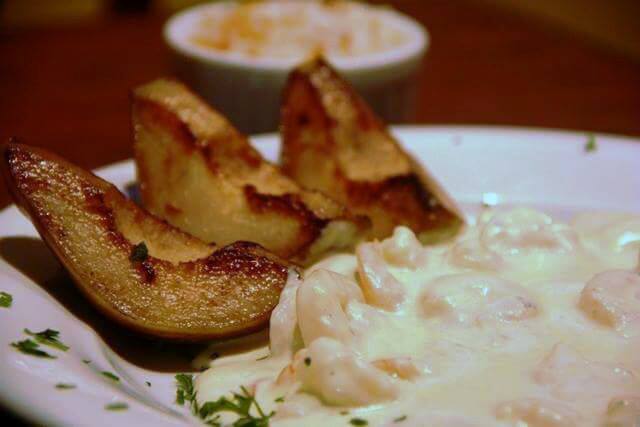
pixel 475 298
pixel 403 249
pixel 400 367
pixel 471 254
pixel 378 285
pixel 344 264
pixel 612 299
pixel 525 230
pixel 570 377
pixel 339 377
pixel 623 411
pixel 288 375
pixel 283 323
pixel 534 412
pixel 614 236
pixel 321 302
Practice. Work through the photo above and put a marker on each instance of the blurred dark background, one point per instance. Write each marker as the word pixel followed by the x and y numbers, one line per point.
pixel 66 67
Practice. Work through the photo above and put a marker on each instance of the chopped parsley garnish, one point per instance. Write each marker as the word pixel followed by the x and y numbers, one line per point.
pixel 148 383
pixel 616 405
pixel 5 300
pixel 358 422
pixel 185 391
pixel 239 404
pixel 279 399
pixel 591 144
pixel 48 337
pixel 86 361
pixel 116 406
pixel 307 361
pixel 32 348
pixel 400 419
pixel 139 253
pixel 110 375
pixel 180 397
pixel 65 386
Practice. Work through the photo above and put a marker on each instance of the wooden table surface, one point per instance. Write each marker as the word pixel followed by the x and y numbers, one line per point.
pixel 66 89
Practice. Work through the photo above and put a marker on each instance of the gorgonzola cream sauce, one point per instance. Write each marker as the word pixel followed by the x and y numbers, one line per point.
pixel 521 321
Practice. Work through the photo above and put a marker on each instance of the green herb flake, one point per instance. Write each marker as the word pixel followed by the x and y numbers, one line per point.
pixel 31 348
pixel 279 399
pixel 240 404
pixel 400 419
pixel 110 375
pixel 86 361
pixel 615 406
pixel 48 337
pixel 116 406
pixel 180 397
pixel 65 386
pixel 139 253
pixel 185 391
pixel 307 361
pixel 148 383
pixel 358 422
pixel 591 144
pixel 5 300
pixel 209 412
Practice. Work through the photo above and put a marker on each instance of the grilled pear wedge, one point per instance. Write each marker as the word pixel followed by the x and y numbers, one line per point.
pixel 333 142
pixel 202 175
pixel 134 267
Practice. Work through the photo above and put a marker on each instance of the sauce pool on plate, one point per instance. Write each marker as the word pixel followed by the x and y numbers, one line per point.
pixel 522 320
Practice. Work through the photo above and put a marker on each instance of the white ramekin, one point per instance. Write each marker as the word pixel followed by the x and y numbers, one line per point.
pixel 248 90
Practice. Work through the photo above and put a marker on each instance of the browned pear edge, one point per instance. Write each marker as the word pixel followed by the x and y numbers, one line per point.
pixel 317 68
pixel 194 133
pixel 281 268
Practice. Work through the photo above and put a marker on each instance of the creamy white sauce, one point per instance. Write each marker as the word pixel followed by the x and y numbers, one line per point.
pixel 507 325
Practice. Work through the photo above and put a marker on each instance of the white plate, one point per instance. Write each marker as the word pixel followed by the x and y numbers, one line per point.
pixel 547 169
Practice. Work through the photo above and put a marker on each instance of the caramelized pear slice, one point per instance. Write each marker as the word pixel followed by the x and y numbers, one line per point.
pixel 333 142
pixel 201 175
pixel 179 288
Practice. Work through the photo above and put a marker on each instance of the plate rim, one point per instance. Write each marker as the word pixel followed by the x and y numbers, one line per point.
pixel 27 410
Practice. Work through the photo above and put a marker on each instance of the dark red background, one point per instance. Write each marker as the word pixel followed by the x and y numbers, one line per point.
pixel 66 89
